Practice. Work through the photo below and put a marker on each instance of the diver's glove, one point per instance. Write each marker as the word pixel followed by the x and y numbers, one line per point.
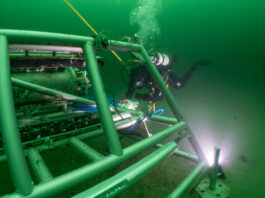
pixel 200 63
pixel 203 63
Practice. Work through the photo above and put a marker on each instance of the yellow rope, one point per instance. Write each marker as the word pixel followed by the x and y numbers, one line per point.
pixel 78 14
pixel 154 106
pixel 119 58
pixel 93 30
pixel 136 60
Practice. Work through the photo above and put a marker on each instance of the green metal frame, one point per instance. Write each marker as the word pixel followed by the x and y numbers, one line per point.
pixel 127 177
pixel 49 186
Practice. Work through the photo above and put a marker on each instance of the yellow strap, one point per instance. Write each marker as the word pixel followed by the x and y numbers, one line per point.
pixel 93 30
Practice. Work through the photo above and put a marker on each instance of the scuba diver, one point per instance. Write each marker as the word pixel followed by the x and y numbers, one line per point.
pixel 140 77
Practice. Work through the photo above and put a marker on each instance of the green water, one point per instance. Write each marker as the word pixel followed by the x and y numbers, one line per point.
pixel 223 102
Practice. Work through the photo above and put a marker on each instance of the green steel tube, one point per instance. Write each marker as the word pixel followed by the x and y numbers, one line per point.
pixel 203 174
pixel 125 178
pixel 85 134
pixel 183 154
pixel 161 84
pixel 186 155
pixel 83 148
pixel 82 136
pixel 101 100
pixel 89 131
pixel 183 187
pixel 38 165
pixel 61 95
pixel 35 37
pixel 123 46
pixel 171 101
pixel 195 145
pixel 75 177
pixel 58 143
pixel 118 124
pixel 8 126
pixel 62 139
pixel 163 119
pixel 214 169
pixel 50 92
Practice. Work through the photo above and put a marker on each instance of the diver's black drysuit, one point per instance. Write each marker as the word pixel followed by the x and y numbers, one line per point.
pixel 140 78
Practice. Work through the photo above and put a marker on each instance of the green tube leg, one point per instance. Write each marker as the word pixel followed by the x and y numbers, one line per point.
pixel 87 151
pixel 182 188
pixel 214 169
pixel 8 126
pixel 101 100
pixel 171 100
pixel 38 165
pixel 36 37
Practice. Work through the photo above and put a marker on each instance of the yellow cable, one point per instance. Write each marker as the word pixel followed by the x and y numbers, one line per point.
pixel 82 18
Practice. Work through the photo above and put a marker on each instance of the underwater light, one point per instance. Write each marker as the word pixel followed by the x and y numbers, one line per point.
pixel 209 140
pixel 209 154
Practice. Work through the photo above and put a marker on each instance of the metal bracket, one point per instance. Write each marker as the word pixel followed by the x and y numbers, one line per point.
pixel 101 41
pixel 220 191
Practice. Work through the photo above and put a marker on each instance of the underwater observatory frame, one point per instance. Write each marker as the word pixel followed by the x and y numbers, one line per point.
pixel 15 151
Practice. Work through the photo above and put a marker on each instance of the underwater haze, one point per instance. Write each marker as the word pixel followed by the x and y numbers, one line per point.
pixel 224 102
